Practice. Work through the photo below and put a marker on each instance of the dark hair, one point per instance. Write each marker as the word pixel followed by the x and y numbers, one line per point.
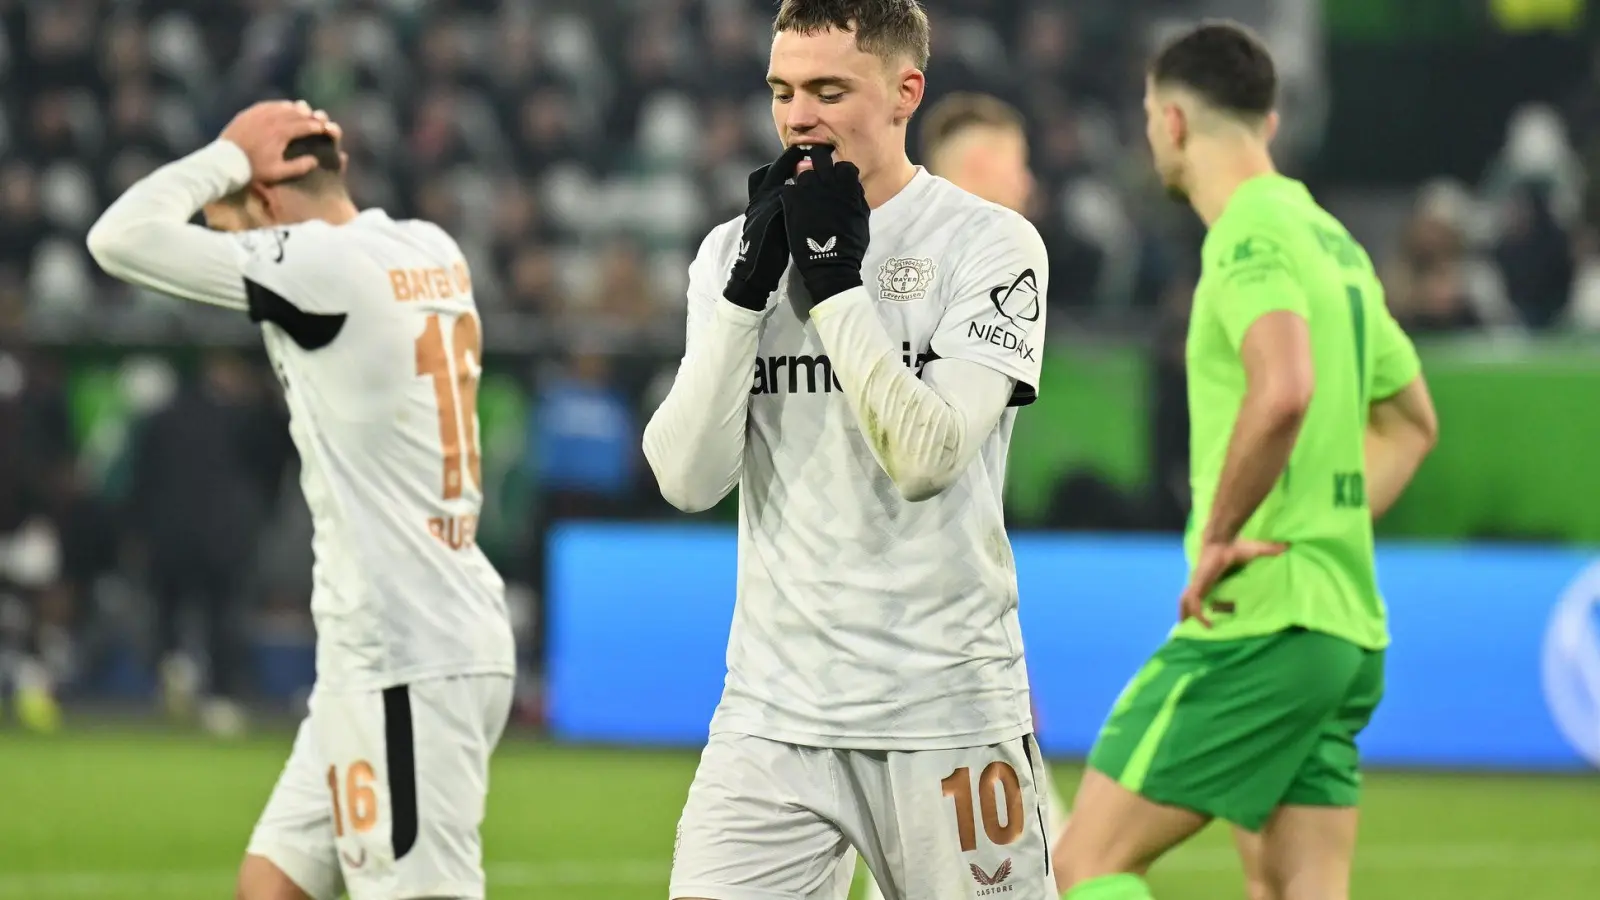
pixel 957 112
pixel 1223 62
pixel 330 169
pixel 884 28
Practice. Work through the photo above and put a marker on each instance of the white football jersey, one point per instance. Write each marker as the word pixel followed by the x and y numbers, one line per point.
pixel 373 331
pixel 864 620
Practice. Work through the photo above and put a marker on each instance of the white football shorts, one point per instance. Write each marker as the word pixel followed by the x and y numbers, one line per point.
pixel 767 820
pixel 384 791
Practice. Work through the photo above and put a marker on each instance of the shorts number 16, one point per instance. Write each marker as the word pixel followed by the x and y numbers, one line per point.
pixel 360 798
pixel 998 782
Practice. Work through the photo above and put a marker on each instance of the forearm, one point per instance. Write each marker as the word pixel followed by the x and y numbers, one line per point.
pixel 922 438
pixel 1392 460
pixel 694 442
pixel 1258 451
pixel 144 237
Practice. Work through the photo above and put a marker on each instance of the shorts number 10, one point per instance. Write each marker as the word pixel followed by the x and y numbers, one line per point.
pixel 998 782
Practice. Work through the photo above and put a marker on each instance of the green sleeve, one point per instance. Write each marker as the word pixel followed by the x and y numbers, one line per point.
pixel 1255 276
pixel 1394 358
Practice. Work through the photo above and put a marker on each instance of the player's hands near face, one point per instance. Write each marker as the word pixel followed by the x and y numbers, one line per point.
pixel 827 217
pixel 1215 562
pixel 264 130
pixel 763 246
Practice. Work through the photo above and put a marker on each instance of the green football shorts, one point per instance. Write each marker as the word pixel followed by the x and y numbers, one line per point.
pixel 1234 729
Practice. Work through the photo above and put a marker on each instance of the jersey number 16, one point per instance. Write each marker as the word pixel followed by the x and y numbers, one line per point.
pixel 454 368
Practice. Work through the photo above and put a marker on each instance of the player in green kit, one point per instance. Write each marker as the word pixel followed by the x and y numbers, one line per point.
pixel 1309 416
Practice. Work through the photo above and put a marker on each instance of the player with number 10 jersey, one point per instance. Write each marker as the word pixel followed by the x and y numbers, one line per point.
pixel 371 326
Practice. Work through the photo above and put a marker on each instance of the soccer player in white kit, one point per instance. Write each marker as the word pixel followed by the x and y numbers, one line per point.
pixel 371 327
pixel 863 399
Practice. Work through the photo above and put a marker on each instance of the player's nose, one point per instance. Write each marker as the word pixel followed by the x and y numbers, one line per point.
pixel 802 117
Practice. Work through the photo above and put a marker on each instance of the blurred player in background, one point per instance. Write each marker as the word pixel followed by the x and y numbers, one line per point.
pixel 979 143
pixel 372 329
pixel 1309 415
pixel 876 695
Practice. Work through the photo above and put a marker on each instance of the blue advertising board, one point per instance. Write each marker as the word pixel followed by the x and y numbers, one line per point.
pixel 1495 661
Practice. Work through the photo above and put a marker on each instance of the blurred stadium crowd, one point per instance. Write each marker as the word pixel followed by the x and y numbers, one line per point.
pixel 579 151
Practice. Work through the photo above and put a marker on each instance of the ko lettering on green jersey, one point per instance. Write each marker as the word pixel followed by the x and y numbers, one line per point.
pixel 1275 250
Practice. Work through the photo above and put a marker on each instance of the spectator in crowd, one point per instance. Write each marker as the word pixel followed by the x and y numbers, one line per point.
pixel 1426 283
pixel 1441 276
pixel 1535 255
pixel 206 469
pixel 36 459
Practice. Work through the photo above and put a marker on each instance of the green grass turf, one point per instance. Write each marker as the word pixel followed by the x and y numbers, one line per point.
pixel 95 815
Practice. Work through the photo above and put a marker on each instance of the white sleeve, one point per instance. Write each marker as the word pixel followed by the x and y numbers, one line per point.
pixel 924 431
pixel 695 440
pixel 145 238
pixel 996 314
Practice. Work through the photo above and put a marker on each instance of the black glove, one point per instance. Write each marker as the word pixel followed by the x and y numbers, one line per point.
pixel 763 249
pixel 826 214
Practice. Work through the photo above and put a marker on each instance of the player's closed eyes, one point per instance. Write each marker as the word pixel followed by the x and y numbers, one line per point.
pixel 825 98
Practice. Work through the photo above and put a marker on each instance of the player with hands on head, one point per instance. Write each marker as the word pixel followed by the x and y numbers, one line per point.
pixel 863 403
pixel 1303 392
pixel 371 326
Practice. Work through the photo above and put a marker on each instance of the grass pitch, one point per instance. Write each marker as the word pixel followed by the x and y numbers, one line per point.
pixel 120 815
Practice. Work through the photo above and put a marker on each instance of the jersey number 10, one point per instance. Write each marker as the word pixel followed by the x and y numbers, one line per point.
pixel 454 368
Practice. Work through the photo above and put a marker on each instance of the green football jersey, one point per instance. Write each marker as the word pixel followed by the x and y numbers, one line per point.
pixel 1272 249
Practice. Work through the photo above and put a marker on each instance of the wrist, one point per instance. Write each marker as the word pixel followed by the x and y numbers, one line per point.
pixel 733 315
pixel 230 160
pixel 829 283
pixel 746 298
pixel 844 302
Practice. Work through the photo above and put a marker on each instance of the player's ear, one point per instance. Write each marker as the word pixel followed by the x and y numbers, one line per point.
pixel 1269 127
pixel 910 88
pixel 1177 121
pixel 261 205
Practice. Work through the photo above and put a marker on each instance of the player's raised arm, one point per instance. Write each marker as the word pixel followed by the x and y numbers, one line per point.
pixel 145 238
pixel 923 432
pixel 1402 426
pixel 695 440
